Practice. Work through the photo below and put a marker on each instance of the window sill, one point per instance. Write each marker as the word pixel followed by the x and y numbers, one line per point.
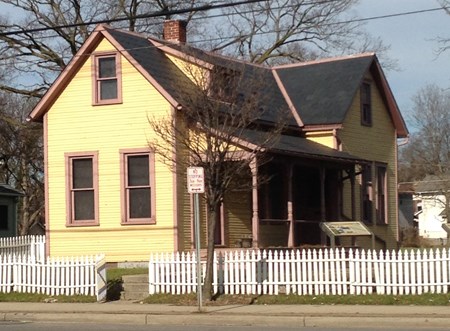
pixel 107 102
pixel 76 224
pixel 139 222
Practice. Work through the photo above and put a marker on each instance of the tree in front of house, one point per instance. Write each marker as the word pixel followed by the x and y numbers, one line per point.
pixel 209 132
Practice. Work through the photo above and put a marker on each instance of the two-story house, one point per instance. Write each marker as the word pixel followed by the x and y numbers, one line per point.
pixel 106 191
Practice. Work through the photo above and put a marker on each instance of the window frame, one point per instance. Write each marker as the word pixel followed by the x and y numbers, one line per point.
pixel 70 201
pixel 96 100
pixel 381 201
pixel 124 189
pixel 366 105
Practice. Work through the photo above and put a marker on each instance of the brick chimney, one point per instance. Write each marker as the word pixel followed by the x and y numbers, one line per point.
pixel 175 30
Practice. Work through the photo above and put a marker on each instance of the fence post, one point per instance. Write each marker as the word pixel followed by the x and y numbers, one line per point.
pixel 100 271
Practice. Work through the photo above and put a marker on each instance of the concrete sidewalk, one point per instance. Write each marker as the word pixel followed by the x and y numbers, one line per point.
pixel 123 312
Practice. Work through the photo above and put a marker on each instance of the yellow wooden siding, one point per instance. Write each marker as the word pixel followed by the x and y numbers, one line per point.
pixel 376 143
pixel 74 125
pixel 323 137
pixel 198 75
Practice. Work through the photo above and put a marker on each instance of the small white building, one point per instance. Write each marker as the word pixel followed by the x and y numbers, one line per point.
pixel 430 213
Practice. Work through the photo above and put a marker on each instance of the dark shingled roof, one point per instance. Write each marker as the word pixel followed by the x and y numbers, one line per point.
pixel 273 103
pixel 298 146
pixel 154 61
pixel 323 91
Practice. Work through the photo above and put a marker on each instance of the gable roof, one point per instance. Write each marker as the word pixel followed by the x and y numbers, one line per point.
pixel 316 93
pixel 323 91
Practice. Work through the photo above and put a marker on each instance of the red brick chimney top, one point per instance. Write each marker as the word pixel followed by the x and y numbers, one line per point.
pixel 175 30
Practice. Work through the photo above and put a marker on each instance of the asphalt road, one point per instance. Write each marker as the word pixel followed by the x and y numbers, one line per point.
pixel 43 326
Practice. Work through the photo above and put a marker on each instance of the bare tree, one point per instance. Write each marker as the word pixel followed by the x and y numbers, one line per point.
pixel 280 31
pixel 208 131
pixel 41 55
pixel 21 158
pixel 428 154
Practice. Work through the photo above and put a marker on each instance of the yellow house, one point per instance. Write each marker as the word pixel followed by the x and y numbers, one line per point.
pixel 106 191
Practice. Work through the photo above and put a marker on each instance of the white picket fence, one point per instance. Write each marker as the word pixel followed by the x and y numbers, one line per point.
pixel 56 276
pixel 307 272
pixel 24 268
pixel 31 246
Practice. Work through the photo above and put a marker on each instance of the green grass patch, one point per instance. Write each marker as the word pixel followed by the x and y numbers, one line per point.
pixel 35 297
pixel 282 299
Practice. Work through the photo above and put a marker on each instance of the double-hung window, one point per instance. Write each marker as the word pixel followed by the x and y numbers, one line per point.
pixel 82 189
pixel 138 187
pixel 107 79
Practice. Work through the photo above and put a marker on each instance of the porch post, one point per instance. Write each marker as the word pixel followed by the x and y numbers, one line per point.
pixel 323 217
pixel 290 211
pixel 322 195
pixel 352 181
pixel 353 196
pixel 255 213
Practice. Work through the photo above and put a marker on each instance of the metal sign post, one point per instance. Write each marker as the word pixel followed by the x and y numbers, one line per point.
pixel 196 185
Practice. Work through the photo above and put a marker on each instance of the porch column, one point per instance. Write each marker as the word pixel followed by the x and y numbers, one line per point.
pixel 352 182
pixel 290 209
pixel 255 213
pixel 322 195
pixel 353 196
pixel 323 237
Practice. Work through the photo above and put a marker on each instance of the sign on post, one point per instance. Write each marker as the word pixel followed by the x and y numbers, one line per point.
pixel 195 180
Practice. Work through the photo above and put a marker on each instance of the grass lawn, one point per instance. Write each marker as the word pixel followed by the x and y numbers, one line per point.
pixel 114 280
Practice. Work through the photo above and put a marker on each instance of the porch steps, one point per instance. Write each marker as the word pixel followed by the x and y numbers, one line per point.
pixel 135 287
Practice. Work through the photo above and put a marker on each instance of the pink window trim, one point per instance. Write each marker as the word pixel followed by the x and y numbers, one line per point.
pixel 124 203
pixel 70 222
pixel 95 81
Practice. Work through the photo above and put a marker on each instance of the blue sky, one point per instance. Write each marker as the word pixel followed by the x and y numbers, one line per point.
pixel 413 44
pixel 412 40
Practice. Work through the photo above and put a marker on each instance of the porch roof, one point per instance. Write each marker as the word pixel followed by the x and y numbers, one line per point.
pixel 298 146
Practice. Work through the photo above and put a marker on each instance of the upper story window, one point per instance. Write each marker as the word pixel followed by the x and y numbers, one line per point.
pixel 366 104
pixel 138 188
pixel 82 189
pixel 107 87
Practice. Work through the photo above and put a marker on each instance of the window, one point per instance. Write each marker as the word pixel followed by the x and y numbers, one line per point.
pixel 366 105
pixel 4 217
pixel 82 195
pixel 138 204
pixel 381 202
pixel 107 80
pixel 367 194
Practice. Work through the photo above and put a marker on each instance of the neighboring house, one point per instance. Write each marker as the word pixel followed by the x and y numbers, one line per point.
pixel 335 161
pixel 9 197
pixel 430 213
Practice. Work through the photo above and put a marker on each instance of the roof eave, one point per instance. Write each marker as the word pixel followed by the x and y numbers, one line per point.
pixel 66 75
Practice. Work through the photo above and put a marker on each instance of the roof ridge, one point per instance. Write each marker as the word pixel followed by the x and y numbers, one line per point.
pixel 325 60
pixel 179 48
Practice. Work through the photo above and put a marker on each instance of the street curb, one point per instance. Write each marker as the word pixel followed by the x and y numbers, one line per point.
pixel 234 319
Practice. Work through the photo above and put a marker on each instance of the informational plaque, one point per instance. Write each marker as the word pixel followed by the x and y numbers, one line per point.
pixel 346 229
